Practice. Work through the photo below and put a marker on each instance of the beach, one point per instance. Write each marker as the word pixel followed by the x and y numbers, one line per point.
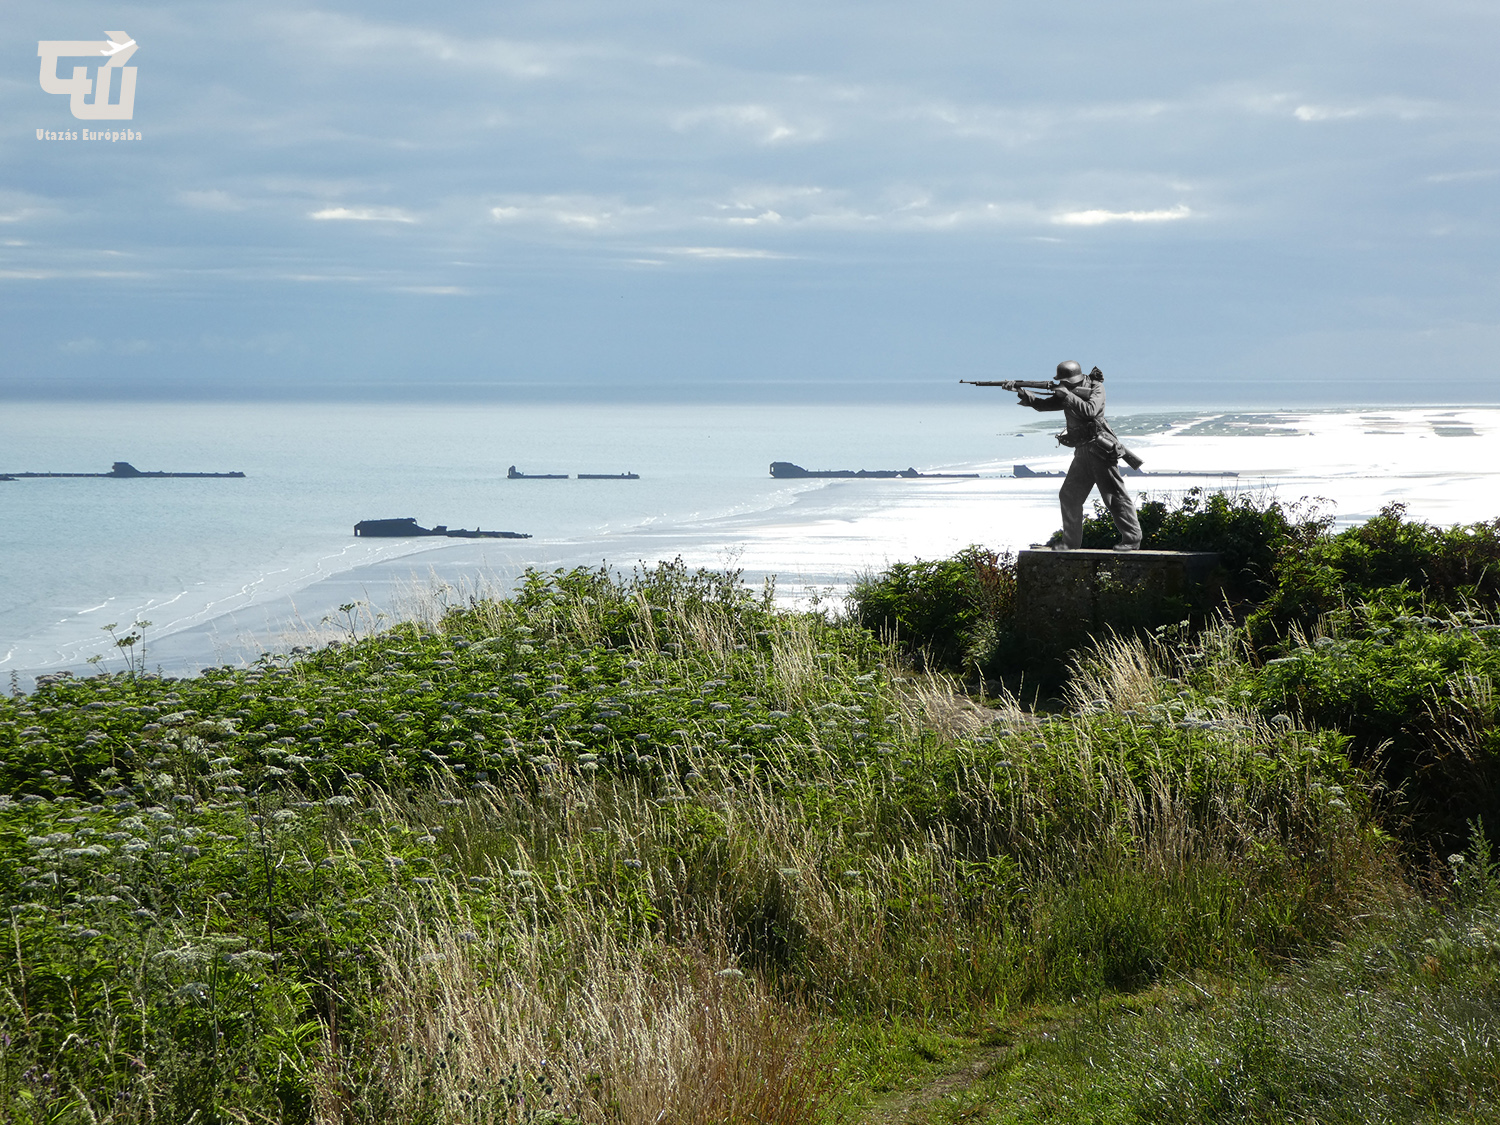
pixel 227 569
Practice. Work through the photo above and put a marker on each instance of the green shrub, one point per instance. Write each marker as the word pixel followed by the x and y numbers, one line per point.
pixel 954 613
pixel 1451 568
pixel 1252 533
pixel 1417 694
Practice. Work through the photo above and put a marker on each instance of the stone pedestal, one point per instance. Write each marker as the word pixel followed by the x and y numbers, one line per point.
pixel 1065 597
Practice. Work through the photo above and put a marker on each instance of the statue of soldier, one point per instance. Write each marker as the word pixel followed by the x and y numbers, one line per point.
pixel 1096 454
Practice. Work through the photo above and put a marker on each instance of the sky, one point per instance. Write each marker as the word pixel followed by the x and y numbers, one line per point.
pixel 1273 203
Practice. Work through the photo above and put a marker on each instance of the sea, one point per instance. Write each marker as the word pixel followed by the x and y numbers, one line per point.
pixel 227 569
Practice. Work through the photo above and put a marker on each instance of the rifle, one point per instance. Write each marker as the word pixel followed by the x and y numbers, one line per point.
pixel 1095 375
pixel 1016 384
pixel 1012 384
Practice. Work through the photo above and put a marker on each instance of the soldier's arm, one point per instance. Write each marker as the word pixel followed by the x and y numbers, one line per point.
pixel 1030 398
pixel 1089 406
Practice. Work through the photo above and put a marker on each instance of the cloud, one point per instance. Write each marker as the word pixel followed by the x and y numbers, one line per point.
pixel 717 253
pixel 793 209
pixel 1025 124
pixel 923 215
pixel 766 216
pixel 42 274
pixel 212 200
pixel 87 345
pixel 363 214
pixel 585 220
pixel 905 208
pixel 20 206
pixel 573 212
pixel 1462 177
pixel 764 125
pixel 1325 113
pixel 340 278
pixel 350 38
pixel 267 343
pixel 603 215
pixel 1095 218
pixel 1400 109
pixel 1015 125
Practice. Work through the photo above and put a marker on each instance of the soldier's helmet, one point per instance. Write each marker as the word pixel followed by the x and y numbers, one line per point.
pixel 1069 372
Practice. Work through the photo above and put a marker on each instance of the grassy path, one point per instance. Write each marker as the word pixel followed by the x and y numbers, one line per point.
pixel 928 1101
pixel 1007 1072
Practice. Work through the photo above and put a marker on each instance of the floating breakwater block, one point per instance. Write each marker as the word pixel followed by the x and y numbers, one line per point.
pixel 1063 598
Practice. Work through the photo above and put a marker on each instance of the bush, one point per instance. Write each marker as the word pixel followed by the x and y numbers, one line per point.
pixel 952 613
pixel 1451 568
pixel 1252 534
pixel 1416 693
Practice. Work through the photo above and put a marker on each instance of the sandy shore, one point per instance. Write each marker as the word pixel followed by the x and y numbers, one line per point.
pixel 1438 462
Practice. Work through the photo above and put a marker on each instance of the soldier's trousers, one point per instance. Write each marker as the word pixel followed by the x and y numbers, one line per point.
pixel 1088 471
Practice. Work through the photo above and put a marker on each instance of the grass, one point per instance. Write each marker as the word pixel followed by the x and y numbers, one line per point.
pixel 1398 1023
pixel 636 849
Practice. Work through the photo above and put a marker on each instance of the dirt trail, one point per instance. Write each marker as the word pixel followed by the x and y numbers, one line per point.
pixel 899 1108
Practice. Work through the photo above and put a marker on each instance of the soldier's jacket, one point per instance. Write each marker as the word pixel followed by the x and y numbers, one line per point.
pixel 1086 427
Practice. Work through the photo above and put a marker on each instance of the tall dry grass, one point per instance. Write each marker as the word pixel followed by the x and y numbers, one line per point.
pixel 513 1022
